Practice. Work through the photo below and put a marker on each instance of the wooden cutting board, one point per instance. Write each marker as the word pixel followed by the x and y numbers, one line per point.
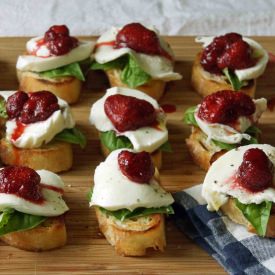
pixel 87 252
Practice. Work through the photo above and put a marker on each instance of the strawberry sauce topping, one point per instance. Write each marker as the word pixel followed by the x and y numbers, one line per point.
pixel 256 171
pixel 227 51
pixel 135 36
pixel 22 182
pixel 58 40
pixel 225 107
pixel 129 113
pixel 30 108
pixel 137 167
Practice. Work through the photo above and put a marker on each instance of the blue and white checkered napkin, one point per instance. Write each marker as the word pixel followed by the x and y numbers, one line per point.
pixel 237 250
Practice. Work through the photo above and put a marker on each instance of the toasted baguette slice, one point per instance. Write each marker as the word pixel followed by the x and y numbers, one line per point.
pixel 67 87
pixel 235 214
pixel 133 237
pixel 202 153
pixel 154 88
pixel 156 155
pixel 55 156
pixel 49 235
pixel 205 86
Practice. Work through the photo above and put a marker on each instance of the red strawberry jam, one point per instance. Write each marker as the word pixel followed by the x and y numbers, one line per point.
pixel 59 41
pixel 256 171
pixel 129 113
pixel 137 167
pixel 32 107
pixel 135 36
pixel 225 107
pixel 227 51
pixel 22 182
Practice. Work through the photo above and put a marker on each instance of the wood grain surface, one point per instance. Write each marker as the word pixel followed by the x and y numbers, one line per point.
pixel 87 252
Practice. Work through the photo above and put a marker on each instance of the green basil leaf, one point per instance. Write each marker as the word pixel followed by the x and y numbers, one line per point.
pixel 118 63
pixel 73 135
pixel 3 111
pixel 256 214
pixel 189 117
pixel 166 147
pixel 72 69
pixel 113 142
pixel 12 221
pixel 223 145
pixel 124 214
pixel 233 79
pixel 132 74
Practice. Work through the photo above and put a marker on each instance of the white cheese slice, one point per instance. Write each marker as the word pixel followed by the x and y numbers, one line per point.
pixel 227 134
pixel 53 204
pixel 41 132
pixel 40 64
pixel 113 191
pixel 219 183
pixel 143 139
pixel 157 67
pixel 249 73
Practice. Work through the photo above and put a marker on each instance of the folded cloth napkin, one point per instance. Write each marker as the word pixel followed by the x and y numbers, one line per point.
pixel 238 251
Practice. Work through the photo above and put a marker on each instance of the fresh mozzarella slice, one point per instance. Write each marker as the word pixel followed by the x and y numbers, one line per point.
pixel 219 182
pixel 40 64
pixel 227 134
pixel 157 67
pixel 110 187
pixel 249 73
pixel 41 132
pixel 143 139
pixel 53 204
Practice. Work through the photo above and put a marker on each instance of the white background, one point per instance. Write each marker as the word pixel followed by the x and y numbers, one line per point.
pixel 171 17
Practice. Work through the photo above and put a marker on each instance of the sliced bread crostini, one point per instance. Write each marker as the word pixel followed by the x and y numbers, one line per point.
pixel 32 209
pixel 55 62
pixel 241 184
pixel 39 131
pixel 135 57
pixel 127 118
pixel 223 121
pixel 134 222
pixel 228 62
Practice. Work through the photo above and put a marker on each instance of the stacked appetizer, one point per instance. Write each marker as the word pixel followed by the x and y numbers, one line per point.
pixel 223 121
pixel 129 202
pixel 135 57
pixel 55 62
pixel 39 131
pixel 241 184
pixel 127 118
pixel 228 62
pixel 31 209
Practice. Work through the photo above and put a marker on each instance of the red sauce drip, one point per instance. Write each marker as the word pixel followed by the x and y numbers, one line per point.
pixel 106 43
pixel 19 130
pixel 271 104
pixel 21 181
pixel 53 188
pixel 169 108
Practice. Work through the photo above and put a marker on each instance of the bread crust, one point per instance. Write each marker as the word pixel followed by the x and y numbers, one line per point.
pixel 51 234
pixel 156 155
pixel 202 154
pixel 235 214
pixel 135 238
pixel 68 87
pixel 205 86
pixel 154 88
pixel 55 156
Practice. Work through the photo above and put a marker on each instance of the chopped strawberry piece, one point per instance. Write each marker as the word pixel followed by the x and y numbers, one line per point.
pixel 129 113
pixel 15 104
pixel 137 167
pixel 256 171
